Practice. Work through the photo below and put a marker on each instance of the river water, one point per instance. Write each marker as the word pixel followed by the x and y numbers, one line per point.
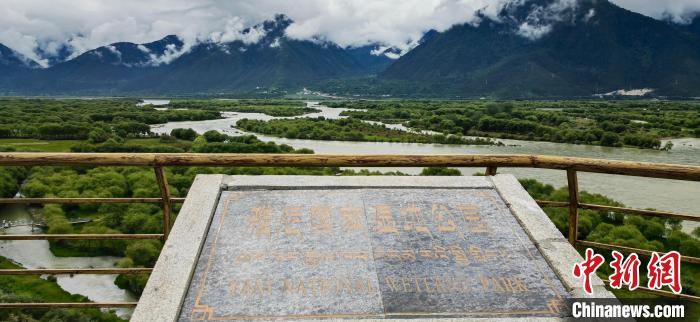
pixel 36 254
pixel 661 194
pixel 670 195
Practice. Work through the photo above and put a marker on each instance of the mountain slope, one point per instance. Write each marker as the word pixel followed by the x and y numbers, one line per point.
pixel 169 66
pixel 273 61
pixel 11 61
pixel 596 48
pixel 12 66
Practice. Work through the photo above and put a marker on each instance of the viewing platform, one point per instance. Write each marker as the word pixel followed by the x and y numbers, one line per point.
pixel 309 247
pixel 324 247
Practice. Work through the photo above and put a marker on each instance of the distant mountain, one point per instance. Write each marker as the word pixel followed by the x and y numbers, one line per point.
pixel 532 48
pixel 694 25
pixel 273 61
pixel 371 58
pixel 12 61
pixel 238 65
pixel 595 47
pixel 105 69
pixel 13 64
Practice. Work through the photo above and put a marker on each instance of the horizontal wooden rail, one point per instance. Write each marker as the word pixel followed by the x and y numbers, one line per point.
pixel 64 271
pixel 85 201
pixel 77 200
pixel 81 236
pixel 687 259
pixel 641 212
pixel 552 204
pixel 642 169
pixel 85 305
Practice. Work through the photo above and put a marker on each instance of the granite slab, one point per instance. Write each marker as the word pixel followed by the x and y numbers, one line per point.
pixel 368 253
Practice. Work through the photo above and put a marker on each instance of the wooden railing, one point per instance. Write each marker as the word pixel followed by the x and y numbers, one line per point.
pixel 160 160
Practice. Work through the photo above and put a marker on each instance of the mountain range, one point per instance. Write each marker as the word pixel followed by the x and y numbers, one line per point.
pixel 532 48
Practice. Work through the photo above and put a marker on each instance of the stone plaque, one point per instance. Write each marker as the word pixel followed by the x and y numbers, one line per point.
pixel 368 253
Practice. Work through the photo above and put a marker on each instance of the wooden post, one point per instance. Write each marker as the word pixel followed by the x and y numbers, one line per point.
pixel 491 170
pixel 573 206
pixel 165 195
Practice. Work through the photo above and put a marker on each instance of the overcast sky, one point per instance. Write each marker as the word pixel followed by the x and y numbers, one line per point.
pixel 29 25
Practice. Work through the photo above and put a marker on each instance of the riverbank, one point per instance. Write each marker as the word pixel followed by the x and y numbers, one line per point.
pixel 37 254
pixel 636 192
pixel 350 130
pixel 38 289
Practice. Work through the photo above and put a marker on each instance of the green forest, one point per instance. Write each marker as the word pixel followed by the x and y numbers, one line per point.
pixel 281 108
pixel 640 124
pixel 118 125
pixel 349 130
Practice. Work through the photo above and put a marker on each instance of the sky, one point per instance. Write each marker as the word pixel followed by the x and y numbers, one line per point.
pixel 40 28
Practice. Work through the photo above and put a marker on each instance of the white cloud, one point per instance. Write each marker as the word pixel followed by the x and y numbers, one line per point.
pixel 235 29
pixel 533 32
pixel 37 27
pixel 171 53
pixel 677 10
pixel 541 19
pixel 34 26
pixel 115 51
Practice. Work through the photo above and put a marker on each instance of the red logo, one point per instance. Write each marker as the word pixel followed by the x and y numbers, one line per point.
pixel 665 271
pixel 588 267
pixel 626 272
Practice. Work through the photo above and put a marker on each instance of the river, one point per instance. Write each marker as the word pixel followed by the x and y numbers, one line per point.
pixel 661 194
pixel 36 254
pixel 670 195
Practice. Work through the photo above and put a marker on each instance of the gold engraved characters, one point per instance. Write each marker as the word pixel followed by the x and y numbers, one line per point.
pixel 470 213
pixel 260 222
pixel 291 220
pixel 314 287
pixel 414 220
pixel 454 284
pixel 443 217
pixel 463 256
pixel 334 285
pixel 352 219
pixel 429 220
pixel 310 258
pixel 321 220
pixel 298 221
pixel 385 222
pixel 501 284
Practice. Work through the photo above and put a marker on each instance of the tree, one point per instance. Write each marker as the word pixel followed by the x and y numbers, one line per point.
pixel 609 139
pixel 184 134
pixel 98 135
pixel 143 252
pixel 434 171
pixel 214 136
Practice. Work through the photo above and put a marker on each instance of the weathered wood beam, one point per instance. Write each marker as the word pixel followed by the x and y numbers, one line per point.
pixel 81 236
pixel 64 271
pixel 642 169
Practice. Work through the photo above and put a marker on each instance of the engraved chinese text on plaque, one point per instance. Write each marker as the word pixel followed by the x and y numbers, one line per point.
pixel 368 253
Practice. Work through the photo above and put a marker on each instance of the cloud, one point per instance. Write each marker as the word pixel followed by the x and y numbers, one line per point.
pixel 41 28
pixel 541 19
pixel 680 11
pixel 36 27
